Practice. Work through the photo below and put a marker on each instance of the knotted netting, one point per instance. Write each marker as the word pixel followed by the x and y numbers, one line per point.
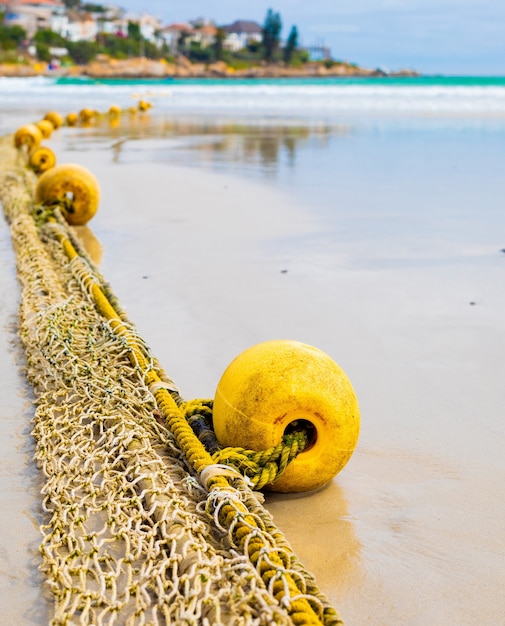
pixel 141 527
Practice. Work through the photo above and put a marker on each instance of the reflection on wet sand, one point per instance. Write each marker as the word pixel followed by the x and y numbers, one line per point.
pixel 91 244
pixel 318 527
pixel 264 142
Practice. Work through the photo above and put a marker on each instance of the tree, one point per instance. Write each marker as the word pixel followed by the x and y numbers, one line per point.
pixel 134 31
pixel 291 45
pixel 218 44
pixel 82 52
pixel 271 34
pixel 49 37
pixel 11 37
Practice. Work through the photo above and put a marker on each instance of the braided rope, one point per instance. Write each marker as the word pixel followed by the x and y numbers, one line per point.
pixel 128 538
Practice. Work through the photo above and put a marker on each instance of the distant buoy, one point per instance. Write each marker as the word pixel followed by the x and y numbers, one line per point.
pixel 114 111
pixel 45 127
pixel 86 115
pixel 28 136
pixel 55 118
pixel 144 105
pixel 72 119
pixel 74 188
pixel 279 385
pixel 41 159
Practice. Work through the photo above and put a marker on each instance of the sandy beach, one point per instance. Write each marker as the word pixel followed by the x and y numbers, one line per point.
pixel 209 258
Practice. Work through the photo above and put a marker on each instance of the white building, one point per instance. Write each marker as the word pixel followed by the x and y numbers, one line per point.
pixel 240 34
pixel 33 15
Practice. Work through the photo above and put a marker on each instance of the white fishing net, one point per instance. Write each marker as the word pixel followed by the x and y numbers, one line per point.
pixel 131 535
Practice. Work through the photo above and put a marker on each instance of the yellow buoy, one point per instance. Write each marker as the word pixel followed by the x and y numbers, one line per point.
pixel 86 115
pixel 74 188
pixel 28 136
pixel 276 386
pixel 45 127
pixel 41 159
pixel 144 105
pixel 55 118
pixel 114 111
pixel 72 119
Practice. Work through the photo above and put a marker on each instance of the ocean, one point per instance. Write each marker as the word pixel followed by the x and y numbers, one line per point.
pixel 324 98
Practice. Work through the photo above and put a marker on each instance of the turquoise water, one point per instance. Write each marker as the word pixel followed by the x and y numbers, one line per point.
pixel 418 81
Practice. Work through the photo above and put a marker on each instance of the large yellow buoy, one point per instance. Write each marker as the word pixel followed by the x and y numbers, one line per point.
pixel 41 159
pixel 45 127
pixel 74 188
pixel 276 386
pixel 28 136
pixel 55 118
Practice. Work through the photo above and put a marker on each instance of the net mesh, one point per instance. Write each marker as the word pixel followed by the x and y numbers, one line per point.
pixel 131 535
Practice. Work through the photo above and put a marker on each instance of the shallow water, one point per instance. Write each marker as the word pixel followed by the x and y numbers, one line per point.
pixel 378 239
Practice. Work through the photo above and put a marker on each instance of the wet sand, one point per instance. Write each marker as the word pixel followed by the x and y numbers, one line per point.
pixel 206 265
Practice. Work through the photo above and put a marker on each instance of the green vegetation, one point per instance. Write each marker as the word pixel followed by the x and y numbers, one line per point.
pixel 271 35
pixel 133 44
pixel 11 37
pixel 291 45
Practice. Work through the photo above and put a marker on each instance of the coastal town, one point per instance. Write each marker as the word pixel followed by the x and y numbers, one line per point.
pixel 73 38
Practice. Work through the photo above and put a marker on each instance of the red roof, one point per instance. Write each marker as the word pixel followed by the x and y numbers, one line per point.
pixel 181 27
pixel 44 3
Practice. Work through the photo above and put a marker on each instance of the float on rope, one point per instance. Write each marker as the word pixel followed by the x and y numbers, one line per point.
pixel 28 136
pixel 278 386
pixel 55 118
pixel 86 115
pixel 74 188
pixel 114 111
pixel 72 119
pixel 41 159
pixel 45 127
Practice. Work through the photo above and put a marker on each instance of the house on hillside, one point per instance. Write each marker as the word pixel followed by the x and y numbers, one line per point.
pixel 149 25
pixel 240 34
pixel 173 34
pixel 35 14
pixel 111 20
pixel 80 27
pixel 205 35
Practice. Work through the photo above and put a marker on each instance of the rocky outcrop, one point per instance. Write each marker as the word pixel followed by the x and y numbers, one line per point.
pixel 104 67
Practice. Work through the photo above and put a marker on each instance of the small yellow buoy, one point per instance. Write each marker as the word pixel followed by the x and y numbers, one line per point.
pixel 41 159
pixel 72 186
pixel 55 118
pixel 72 119
pixel 28 136
pixel 45 127
pixel 86 115
pixel 276 386
pixel 144 105
pixel 114 111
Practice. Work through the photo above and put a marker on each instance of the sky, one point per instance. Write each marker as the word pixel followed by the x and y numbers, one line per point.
pixel 459 37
